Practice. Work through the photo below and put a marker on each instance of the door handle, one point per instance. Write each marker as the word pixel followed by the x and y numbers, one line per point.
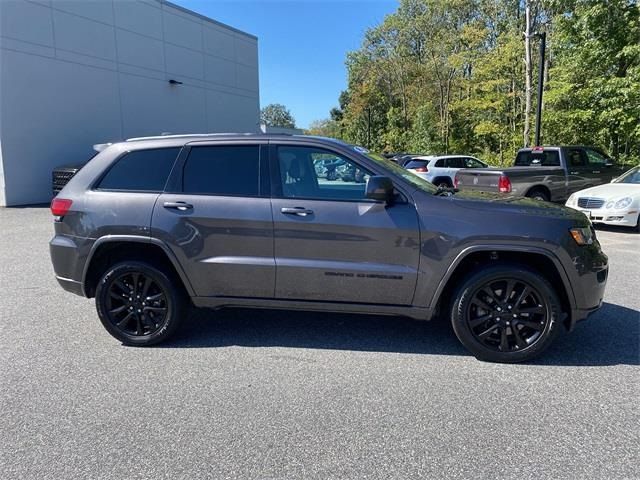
pixel 300 211
pixel 182 206
pixel 596 171
pixel 574 173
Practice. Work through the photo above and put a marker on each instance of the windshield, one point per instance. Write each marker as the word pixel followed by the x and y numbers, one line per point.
pixel 415 180
pixel 632 176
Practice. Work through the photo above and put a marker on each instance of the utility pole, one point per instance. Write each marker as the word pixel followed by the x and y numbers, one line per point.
pixel 543 47
pixel 527 72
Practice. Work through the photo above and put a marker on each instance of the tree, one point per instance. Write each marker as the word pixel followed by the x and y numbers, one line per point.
pixel 277 115
pixel 440 76
pixel 324 128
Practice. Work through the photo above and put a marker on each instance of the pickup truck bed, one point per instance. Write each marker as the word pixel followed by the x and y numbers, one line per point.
pixel 545 173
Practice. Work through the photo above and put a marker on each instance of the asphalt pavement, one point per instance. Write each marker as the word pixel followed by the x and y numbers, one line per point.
pixel 281 395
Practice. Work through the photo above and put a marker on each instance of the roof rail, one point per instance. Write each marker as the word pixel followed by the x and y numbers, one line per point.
pixel 183 135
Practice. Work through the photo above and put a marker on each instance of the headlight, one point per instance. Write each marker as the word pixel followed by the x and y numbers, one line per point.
pixel 623 202
pixel 610 204
pixel 572 199
pixel 582 236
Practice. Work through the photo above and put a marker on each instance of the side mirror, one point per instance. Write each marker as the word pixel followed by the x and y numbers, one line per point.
pixel 379 188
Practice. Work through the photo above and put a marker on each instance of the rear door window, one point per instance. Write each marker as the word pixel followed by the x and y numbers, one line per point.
pixel 223 170
pixel 455 162
pixel 576 158
pixel 140 171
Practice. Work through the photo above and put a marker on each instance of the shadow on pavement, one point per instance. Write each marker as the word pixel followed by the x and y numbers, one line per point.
pixel 609 337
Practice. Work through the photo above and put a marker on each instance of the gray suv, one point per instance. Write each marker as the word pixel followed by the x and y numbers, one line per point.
pixel 151 226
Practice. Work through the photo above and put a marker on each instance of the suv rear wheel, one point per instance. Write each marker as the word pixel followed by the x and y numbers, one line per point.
pixel 139 304
pixel 506 313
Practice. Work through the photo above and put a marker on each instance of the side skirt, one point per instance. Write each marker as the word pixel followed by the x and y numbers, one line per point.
pixel 417 313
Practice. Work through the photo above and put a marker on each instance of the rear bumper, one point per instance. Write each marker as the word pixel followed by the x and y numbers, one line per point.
pixel 68 256
pixel 72 286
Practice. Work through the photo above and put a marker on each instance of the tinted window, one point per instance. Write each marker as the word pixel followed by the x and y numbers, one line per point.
pixel 440 163
pixel 141 170
pixel 224 170
pixel 302 177
pixel 547 158
pixel 595 158
pixel 473 163
pixel 455 163
pixel 576 158
pixel 417 164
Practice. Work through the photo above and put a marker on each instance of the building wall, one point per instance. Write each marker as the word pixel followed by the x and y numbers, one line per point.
pixel 75 73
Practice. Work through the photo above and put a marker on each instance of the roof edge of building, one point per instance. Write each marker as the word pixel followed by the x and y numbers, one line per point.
pixel 207 19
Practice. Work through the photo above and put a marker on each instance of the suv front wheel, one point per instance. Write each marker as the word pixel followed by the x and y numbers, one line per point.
pixel 506 313
pixel 139 304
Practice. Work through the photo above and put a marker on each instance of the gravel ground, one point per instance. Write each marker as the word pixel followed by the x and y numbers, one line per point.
pixel 275 394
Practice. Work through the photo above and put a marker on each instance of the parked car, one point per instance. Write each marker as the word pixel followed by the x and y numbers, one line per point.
pixel 151 225
pixel 615 203
pixel 403 158
pixel 441 170
pixel 544 173
pixel 61 175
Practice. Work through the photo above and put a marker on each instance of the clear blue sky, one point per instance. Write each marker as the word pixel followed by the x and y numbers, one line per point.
pixel 302 45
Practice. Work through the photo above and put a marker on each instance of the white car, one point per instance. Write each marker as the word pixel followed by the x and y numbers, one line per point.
pixel 615 203
pixel 441 170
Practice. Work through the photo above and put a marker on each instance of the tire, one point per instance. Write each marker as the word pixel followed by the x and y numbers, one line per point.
pixel 637 229
pixel 538 194
pixel 443 183
pixel 153 316
pixel 529 326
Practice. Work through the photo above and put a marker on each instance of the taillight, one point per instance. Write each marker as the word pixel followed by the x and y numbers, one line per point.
pixel 504 184
pixel 60 206
pixel 421 169
pixel 456 181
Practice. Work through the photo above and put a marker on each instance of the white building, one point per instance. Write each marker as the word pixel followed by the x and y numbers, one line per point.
pixel 74 73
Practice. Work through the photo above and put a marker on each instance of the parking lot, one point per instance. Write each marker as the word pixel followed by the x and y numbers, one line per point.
pixel 276 394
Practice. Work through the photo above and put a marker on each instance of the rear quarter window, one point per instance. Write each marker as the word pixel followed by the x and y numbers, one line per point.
pixel 416 164
pixel 140 171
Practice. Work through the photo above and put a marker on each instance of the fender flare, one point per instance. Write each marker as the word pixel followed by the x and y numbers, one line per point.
pixel 137 239
pixel 505 248
pixel 539 186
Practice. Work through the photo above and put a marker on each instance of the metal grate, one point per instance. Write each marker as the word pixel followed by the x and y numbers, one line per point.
pixel 60 179
pixel 589 202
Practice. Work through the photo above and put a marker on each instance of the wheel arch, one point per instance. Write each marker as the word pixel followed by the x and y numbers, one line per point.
pixel 539 187
pixel 438 178
pixel 539 259
pixel 113 248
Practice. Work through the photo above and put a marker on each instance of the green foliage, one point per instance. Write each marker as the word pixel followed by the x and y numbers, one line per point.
pixel 444 76
pixel 277 115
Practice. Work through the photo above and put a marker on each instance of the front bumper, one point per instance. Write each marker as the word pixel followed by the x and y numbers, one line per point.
pixel 623 218
pixel 589 280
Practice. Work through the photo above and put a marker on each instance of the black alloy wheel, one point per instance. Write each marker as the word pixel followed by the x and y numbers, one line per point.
pixel 506 313
pixel 139 304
